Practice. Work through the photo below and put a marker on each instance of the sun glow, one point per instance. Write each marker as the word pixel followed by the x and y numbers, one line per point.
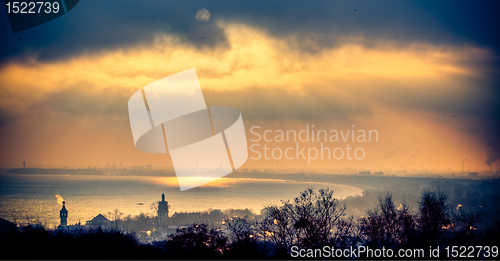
pixel 210 181
pixel 288 78
pixel 254 59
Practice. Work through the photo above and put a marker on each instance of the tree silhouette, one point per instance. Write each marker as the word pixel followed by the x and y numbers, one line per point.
pixel 35 242
pixel 117 216
pixel 244 238
pixel 464 224
pixel 347 233
pixel 310 221
pixel 197 241
pixel 388 226
pixel 433 215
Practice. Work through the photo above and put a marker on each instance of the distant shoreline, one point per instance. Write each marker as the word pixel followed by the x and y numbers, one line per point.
pixel 363 182
pixel 70 172
pixel 90 171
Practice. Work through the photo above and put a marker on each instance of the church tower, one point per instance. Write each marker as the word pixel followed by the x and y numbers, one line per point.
pixel 162 211
pixel 64 215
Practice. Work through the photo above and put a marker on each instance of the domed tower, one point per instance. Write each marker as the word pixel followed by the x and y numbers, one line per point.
pixel 162 211
pixel 64 215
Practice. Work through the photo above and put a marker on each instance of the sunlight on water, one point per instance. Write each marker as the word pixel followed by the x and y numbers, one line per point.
pixel 30 198
pixel 215 182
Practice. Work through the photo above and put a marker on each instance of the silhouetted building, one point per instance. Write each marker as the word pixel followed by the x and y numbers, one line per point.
pixel 162 211
pixel 379 173
pixel 64 215
pixel 473 174
pixel 365 173
pixel 99 220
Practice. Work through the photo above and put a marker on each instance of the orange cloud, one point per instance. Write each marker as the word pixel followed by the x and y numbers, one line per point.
pixel 265 77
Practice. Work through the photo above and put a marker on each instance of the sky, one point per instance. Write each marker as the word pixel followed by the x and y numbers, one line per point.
pixel 423 74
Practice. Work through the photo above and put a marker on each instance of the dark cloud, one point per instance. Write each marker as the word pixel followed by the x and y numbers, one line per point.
pixel 469 105
pixel 94 26
pixel 101 25
pixel 438 22
pixel 449 99
pixel 6 117
pixel 492 152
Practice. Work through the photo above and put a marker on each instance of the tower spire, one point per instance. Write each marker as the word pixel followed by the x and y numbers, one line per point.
pixel 63 214
pixel 162 211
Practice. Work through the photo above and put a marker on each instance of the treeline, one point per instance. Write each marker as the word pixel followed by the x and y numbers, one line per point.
pixel 317 219
pixel 149 222
pixel 310 221
pixel 34 242
pixel 210 217
pixel 472 195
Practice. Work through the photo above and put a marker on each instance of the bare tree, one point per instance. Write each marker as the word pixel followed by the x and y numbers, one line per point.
pixel 196 241
pixel 154 207
pixel 463 225
pixel 388 226
pixel 433 216
pixel 347 233
pixel 380 227
pixel 277 227
pixel 407 221
pixel 242 229
pixel 244 238
pixel 310 221
pixel 117 216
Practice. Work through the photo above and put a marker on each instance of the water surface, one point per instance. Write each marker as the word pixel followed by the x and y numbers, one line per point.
pixel 31 198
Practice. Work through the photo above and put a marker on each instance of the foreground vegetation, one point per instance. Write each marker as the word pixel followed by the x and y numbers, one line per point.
pixel 312 220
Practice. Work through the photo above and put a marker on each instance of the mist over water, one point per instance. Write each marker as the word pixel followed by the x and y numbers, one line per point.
pixel 31 198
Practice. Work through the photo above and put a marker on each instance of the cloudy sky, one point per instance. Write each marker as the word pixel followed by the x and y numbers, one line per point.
pixel 424 74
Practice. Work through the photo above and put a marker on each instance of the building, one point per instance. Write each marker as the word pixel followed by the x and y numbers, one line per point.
pixel 162 211
pixel 64 215
pixel 379 173
pixel 100 221
pixel 473 174
pixel 365 173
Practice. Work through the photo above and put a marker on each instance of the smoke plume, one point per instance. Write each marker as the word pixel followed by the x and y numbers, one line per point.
pixel 59 199
pixel 414 155
pixel 390 154
pixel 492 152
